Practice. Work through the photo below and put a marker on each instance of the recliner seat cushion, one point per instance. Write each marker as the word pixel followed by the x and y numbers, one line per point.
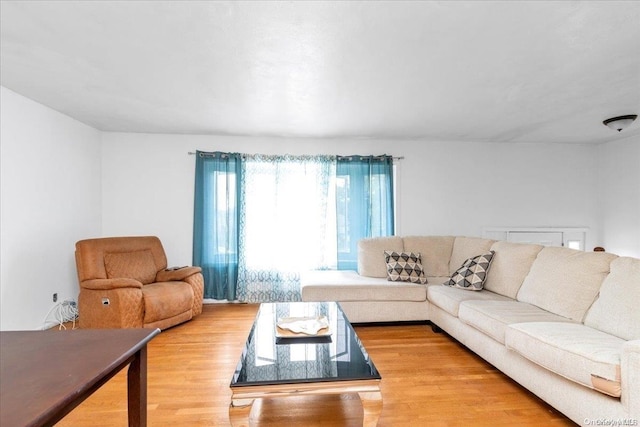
pixel 163 300
pixel 575 351
pixel 565 281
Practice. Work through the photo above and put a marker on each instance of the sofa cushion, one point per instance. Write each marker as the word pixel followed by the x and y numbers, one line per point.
pixel 347 285
pixel 435 252
pixel 371 255
pixel 163 300
pixel 138 265
pixel 616 309
pixel 404 267
pixel 565 281
pixel 510 266
pixel 465 248
pixel 449 298
pixel 473 272
pixel 575 351
pixel 493 317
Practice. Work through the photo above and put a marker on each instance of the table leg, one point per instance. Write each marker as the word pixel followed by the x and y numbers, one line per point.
pixel 372 405
pixel 137 389
pixel 239 412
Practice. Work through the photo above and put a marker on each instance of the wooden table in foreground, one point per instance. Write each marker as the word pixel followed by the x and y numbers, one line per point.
pixel 279 367
pixel 45 374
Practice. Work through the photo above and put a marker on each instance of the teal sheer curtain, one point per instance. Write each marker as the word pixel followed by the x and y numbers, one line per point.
pixel 216 222
pixel 364 203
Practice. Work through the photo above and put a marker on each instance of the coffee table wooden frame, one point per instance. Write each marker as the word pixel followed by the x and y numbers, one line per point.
pixel 243 397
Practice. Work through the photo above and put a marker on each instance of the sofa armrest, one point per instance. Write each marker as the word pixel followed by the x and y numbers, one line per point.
pixel 177 274
pixel 630 378
pixel 106 284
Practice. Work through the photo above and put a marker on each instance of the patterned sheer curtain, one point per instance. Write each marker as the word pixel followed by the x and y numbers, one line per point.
pixel 365 208
pixel 287 224
pixel 216 219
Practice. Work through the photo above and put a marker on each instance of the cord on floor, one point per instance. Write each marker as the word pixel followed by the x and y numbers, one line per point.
pixel 62 312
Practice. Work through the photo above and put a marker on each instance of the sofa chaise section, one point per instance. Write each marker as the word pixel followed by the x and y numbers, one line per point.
pixel 366 299
pixel 367 296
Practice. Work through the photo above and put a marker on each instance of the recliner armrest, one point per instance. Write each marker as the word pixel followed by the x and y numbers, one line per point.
pixel 105 284
pixel 176 275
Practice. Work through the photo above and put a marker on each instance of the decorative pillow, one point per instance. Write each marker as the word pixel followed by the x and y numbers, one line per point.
pixel 473 273
pixel 138 265
pixel 404 267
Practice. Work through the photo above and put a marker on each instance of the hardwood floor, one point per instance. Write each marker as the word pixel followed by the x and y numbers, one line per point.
pixel 428 379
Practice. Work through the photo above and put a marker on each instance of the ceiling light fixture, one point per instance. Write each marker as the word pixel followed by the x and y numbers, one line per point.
pixel 620 122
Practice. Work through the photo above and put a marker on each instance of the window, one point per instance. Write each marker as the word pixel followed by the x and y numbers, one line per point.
pixel 270 217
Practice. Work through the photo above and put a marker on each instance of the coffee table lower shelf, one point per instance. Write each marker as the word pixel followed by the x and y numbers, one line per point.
pixel 243 397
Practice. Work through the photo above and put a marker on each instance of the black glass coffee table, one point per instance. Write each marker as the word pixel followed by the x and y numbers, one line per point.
pixel 275 364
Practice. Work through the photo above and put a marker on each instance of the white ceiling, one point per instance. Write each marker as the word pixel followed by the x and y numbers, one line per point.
pixel 539 71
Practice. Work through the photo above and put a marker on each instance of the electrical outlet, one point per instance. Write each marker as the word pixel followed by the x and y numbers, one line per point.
pixel 55 297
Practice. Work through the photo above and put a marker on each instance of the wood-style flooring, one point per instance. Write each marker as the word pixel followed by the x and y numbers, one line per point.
pixel 428 379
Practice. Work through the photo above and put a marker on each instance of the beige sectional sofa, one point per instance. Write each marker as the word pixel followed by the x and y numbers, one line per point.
pixel 563 323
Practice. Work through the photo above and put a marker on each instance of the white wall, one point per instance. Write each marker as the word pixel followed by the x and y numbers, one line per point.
pixel 619 177
pixel 460 188
pixel 443 188
pixel 50 198
pixel 63 181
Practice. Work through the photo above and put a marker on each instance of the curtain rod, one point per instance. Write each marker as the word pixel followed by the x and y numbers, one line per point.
pixel 193 153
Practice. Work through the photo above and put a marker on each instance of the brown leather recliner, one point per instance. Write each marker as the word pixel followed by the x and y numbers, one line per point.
pixel 124 283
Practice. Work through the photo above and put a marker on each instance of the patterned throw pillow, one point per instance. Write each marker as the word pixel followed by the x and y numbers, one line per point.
pixel 404 267
pixel 473 273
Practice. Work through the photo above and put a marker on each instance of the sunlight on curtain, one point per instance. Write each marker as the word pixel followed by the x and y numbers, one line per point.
pixel 287 224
